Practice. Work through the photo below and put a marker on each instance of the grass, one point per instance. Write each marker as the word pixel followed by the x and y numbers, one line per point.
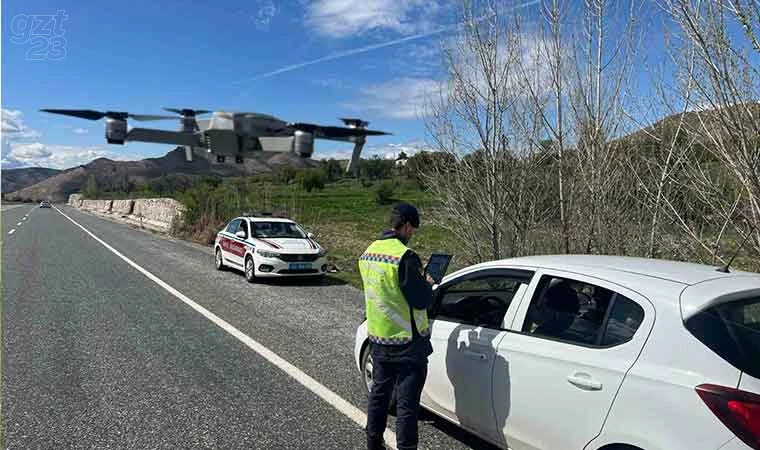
pixel 346 218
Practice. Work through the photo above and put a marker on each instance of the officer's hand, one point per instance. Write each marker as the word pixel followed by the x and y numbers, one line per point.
pixel 429 279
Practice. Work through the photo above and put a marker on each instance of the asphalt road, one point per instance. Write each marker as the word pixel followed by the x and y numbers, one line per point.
pixel 97 355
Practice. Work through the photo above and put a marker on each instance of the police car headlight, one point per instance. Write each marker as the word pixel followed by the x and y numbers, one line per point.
pixel 267 254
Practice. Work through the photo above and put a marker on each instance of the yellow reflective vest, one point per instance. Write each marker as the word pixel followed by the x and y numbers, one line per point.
pixel 389 316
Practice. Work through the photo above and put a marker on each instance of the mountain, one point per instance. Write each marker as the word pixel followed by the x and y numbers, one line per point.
pixel 15 179
pixel 115 174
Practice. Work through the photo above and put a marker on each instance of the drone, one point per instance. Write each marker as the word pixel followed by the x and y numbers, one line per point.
pixel 228 136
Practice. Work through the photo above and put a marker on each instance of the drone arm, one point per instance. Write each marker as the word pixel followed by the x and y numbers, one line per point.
pixel 163 137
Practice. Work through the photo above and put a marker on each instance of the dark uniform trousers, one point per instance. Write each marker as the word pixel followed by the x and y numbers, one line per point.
pixel 407 377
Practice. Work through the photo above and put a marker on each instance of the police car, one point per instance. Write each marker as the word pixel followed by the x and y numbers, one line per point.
pixel 262 245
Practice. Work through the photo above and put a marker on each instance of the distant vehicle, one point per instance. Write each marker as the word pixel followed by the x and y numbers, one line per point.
pixel 595 353
pixel 45 204
pixel 266 246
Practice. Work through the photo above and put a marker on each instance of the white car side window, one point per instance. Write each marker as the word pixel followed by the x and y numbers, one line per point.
pixel 581 313
pixel 478 300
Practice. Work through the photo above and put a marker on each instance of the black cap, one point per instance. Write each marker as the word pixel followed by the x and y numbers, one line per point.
pixel 403 213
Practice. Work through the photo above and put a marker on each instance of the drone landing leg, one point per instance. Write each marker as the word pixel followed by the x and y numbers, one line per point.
pixel 353 165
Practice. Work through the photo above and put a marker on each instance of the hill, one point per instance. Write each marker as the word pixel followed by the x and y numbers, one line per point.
pixel 15 179
pixel 114 174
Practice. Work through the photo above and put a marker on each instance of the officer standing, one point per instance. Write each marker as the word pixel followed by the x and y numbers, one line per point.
pixel 397 296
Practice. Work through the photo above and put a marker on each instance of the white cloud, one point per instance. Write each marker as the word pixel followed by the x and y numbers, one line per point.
pixel 266 12
pixel 80 130
pixel 400 98
pixel 13 130
pixel 13 126
pixel 419 60
pixel 385 151
pixel 29 152
pixel 330 82
pixel 37 154
pixel 55 156
pixel 12 120
pixel 342 18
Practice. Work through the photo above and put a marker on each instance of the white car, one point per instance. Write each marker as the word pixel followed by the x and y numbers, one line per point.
pixel 268 247
pixel 45 204
pixel 595 353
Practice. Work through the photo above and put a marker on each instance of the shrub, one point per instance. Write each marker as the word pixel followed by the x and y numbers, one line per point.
pixel 376 168
pixel 384 192
pixel 332 168
pixel 285 174
pixel 312 179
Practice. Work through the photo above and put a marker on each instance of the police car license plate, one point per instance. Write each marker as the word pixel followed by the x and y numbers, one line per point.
pixel 299 266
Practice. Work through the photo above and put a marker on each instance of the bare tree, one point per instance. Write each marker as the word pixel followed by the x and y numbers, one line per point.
pixel 722 35
pixel 549 95
pixel 480 119
pixel 602 67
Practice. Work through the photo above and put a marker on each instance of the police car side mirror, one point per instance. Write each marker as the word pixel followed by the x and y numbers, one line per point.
pixel 240 234
pixel 310 235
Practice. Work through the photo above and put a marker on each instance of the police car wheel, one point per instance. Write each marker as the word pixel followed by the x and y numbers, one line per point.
pixel 218 261
pixel 250 273
pixel 367 366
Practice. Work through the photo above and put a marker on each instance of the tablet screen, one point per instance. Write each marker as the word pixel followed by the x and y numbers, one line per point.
pixel 437 266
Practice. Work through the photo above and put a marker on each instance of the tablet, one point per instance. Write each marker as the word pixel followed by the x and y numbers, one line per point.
pixel 437 266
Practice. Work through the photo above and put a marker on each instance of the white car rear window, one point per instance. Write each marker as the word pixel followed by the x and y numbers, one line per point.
pixel 732 330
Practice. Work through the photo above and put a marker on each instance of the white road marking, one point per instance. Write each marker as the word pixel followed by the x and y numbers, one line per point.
pixel 24 218
pixel 12 231
pixel 336 401
pixel 18 224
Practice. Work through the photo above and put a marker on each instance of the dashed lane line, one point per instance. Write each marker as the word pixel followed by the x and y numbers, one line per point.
pixel 336 401
pixel 13 230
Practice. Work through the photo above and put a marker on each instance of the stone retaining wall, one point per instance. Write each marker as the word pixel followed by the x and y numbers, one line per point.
pixel 159 214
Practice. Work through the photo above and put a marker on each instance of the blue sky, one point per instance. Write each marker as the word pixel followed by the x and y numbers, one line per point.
pixel 141 55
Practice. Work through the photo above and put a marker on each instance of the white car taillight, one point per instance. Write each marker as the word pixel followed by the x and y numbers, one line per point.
pixel 738 410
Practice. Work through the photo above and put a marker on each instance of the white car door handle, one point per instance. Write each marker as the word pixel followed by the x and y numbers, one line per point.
pixel 584 381
pixel 475 355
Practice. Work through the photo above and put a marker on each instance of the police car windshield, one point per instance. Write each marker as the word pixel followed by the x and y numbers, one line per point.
pixel 277 230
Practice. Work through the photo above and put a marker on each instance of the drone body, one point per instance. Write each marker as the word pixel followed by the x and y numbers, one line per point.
pixel 229 136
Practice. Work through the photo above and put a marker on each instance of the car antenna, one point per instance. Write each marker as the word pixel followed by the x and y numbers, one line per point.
pixel 724 268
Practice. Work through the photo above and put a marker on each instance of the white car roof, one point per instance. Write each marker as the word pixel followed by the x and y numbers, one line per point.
pixel 657 279
pixel 676 271
pixel 268 219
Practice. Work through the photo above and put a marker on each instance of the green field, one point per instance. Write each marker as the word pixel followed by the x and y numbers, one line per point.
pixel 345 217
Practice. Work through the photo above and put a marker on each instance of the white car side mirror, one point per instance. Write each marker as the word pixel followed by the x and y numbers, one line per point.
pixel 240 234
pixel 310 235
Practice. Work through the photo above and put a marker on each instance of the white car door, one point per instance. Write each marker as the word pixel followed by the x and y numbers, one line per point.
pixel 573 340
pixel 231 244
pixel 468 322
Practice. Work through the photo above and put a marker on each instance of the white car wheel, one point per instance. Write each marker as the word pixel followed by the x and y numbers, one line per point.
pixel 250 274
pixel 218 261
pixel 367 367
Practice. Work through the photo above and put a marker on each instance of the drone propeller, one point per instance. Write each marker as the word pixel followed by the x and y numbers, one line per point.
pixel 187 112
pixel 90 114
